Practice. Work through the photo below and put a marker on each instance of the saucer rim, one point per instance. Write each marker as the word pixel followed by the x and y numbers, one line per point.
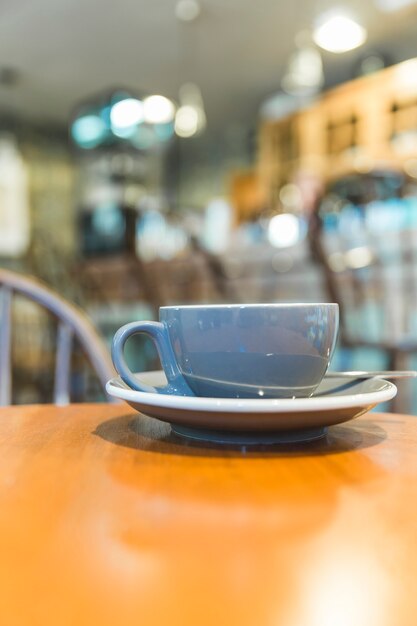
pixel 261 405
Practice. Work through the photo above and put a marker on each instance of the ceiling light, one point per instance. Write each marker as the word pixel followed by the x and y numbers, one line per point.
pixel 126 113
pixel 186 121
pixel 88 131
pixel 190 117
pixel 338 33
pixel 158 110
pixel 187 10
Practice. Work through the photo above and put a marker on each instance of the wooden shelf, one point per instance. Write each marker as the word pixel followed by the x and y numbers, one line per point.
pixel 367 123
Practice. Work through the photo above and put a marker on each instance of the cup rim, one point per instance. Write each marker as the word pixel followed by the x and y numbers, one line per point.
pixel 250 305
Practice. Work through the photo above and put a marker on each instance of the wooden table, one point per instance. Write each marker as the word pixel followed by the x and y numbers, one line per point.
pixel 108 519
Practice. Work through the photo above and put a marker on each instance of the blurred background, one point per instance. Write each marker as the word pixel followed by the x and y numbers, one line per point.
pixel 174 151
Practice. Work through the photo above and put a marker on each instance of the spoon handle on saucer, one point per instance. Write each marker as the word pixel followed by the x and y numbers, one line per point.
pixel 374 374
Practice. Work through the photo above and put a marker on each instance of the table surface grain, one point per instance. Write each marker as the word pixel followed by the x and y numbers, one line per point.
pixel 106 518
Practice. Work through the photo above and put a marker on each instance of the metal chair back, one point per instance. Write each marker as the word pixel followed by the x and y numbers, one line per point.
pixel 72 325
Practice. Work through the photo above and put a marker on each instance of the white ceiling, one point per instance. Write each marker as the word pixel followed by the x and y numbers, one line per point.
pixel 236 50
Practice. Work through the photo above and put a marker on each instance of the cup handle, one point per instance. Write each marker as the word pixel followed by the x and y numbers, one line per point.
pixel 159 335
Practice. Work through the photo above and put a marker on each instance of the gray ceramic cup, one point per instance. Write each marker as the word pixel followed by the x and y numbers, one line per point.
pixel 237 351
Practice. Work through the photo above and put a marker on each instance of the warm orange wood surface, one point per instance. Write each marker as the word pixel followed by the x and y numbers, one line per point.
pixel 108 519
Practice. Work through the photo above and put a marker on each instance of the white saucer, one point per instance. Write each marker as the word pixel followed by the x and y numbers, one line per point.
pixel 244 421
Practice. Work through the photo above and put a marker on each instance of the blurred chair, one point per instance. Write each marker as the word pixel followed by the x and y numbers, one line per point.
pixel 364 235
pixel 72 325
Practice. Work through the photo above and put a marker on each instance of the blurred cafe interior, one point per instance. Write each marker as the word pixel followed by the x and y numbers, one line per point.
pixel 202 151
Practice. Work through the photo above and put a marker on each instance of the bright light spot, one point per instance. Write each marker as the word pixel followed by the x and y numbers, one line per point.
pixel 359 257
pixel 158 110
pixel 405 73
pixel 186 121
pixel 88 131
pixel 126 113
pixel 190 118
pixel 284 230
pixel 187 10
pixel 339 33
pixel 347 589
